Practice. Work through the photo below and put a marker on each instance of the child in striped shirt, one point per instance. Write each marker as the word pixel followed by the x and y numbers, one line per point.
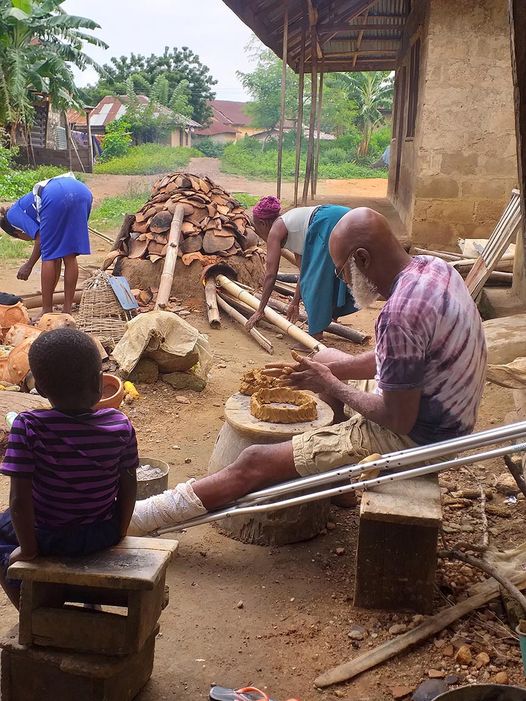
pixel 72 468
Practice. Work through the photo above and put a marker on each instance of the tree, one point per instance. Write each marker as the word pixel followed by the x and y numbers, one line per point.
pixel 39 43
pixel 264 85
pixel 175 65
pixel 371 92
pixel 151 122
pixel 180 100
pixel 338 110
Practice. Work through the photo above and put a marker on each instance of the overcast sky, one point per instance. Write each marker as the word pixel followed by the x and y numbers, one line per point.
pixel 208 27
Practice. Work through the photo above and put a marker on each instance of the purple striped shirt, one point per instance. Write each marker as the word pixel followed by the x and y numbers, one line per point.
pixel 75 462
pixel 429 336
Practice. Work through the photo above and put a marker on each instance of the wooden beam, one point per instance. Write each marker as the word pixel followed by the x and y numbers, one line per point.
pixel 299 122
pixel 354 27
pixel 359 42
pixel 283 96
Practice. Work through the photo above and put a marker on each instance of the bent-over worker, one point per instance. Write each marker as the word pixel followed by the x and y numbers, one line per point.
pixel 55 217
pixel 305 231
pixel 423 382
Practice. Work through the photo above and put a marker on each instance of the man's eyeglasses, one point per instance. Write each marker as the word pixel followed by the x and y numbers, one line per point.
pixel 339 273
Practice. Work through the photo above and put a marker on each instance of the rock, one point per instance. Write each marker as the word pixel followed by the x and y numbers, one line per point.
pixel 436 674
pixel 146 371
pixel 185 380
pixel 340 551
pixel 397 629
pixel 464 655
pixel 182 400
pixel 357 632
pixel 187 461
pixel 331 526
pixel 418 619
pixel 506 484
pixel 221 365
pixel 501 678
pixel 448 651
pixel 240 605
pixel 482 660
pixel 400 691
pixel 279 335
pixel 429 690
pixel 452 679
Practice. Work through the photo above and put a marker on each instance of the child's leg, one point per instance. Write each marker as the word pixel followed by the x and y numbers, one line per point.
pixel 48 278
pixel 71 275
pixel 8 543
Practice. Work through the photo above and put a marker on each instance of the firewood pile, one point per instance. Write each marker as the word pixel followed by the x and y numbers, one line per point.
pixel 215 224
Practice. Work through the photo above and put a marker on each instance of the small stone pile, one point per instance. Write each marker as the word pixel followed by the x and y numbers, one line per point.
pixel 215 224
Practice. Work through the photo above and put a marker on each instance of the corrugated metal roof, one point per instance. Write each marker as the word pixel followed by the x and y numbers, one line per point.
pixel 342 42
pixel 111 107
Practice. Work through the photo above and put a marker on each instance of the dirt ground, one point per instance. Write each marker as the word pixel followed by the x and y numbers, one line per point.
pixel 277 617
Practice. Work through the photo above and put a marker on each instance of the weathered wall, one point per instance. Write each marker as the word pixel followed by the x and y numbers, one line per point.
pixel 466 163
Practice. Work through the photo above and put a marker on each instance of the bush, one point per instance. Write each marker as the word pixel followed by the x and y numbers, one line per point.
pixel 16 183
pixel 148 159
pixel 333 155
pixel 210 148
pixel 380 140
pixel 116 141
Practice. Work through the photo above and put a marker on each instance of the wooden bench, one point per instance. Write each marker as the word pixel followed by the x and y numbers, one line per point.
pixel 397 545
pixel 129 576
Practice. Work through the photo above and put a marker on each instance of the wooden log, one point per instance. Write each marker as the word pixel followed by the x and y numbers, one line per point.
pixel 288 277
pixel 211 304
pixel 333 327
pixel 101 236
pixel 289 255
pixel 348 670
pixel 237 316
pixel 165 285
pixel 35 301
pixel 124 231
pixel 276 319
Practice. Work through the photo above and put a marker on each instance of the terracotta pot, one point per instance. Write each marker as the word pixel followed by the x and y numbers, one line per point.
pixel 56 320
pixel 19 332
pixel 12 314
pixel 4 371
pixel 112 392
pixel 18 361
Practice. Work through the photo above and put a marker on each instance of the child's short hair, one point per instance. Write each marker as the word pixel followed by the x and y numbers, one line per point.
pixel 64 362
pixel 6 225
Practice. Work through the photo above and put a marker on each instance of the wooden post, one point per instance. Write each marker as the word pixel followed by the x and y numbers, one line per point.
pixel 165 286
pixel 299 121
pixel 314 182
pixel 312 121
pixel 68 140
pixel 211 304
pixel 90 142
pixel 283 97
pixel 517 12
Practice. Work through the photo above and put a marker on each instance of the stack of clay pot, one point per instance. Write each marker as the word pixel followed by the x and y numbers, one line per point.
pixel 214 222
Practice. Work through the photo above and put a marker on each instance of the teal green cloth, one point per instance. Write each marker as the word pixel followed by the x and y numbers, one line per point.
pixel 324 295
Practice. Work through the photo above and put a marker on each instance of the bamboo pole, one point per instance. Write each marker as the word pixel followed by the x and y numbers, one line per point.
pixel 98 233
pixel 289 255
pixel 283 98
pixel 165 286
pixel 272 316
pixel 299 121
pixel 237 316
pixel 35 301
pixel 314 182
pixel 211 304
pixel 312 120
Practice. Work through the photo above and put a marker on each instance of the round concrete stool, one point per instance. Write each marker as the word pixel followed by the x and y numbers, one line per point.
pixel 241 430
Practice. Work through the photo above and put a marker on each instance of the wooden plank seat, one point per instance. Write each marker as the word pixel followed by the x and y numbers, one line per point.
pixel 397 545
pixel 129 576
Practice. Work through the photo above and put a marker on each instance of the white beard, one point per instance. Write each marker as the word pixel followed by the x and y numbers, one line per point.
pixel 362 289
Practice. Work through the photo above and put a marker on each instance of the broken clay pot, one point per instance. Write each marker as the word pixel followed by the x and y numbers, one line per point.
pixel 19 332
pixel 12 314
pixel 56 320
pixel 18 361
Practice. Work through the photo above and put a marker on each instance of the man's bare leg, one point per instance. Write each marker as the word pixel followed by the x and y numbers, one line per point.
pixel 71 276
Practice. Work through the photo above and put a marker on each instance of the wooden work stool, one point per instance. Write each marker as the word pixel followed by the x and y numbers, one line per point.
pixel 31 673
pixel 397 545
pixel 129 576
pixel 241 430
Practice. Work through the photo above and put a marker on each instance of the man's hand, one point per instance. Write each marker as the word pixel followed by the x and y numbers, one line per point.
pixel 18 556
pixel 24 271
pixel 256 316
pixel 293 312
pixel 313 376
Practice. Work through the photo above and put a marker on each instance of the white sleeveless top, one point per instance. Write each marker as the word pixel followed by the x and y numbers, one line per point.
pixel 297 222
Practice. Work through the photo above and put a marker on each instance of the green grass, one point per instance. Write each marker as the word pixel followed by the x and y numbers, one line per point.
pixel 110 212
pixel 245 199
pixel 13 249
pixel 148 159
pixel 15 183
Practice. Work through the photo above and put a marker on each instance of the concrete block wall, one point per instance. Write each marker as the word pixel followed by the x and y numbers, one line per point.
pixel 465 151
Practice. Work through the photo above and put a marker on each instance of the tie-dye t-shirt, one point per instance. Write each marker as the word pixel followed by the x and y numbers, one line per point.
pixel 429 336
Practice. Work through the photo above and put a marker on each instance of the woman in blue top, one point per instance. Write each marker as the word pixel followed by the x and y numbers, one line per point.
pixel 55 216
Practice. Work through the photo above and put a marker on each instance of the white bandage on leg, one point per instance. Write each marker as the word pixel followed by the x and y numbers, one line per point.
pixel 167 509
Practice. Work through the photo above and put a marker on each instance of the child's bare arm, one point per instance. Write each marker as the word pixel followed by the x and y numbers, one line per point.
pixel 23 517
pixel 126 498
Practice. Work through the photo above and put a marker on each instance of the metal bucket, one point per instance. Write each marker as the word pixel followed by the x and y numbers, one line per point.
pixel 157 485
pixel 484 692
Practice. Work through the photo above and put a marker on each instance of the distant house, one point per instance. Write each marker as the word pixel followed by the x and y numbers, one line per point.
pixel 231 121
pixel 113 107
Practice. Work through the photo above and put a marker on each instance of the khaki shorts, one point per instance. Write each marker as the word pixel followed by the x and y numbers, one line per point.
pixel 333 446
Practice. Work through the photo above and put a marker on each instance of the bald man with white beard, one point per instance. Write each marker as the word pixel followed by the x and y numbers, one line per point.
pixel 421 384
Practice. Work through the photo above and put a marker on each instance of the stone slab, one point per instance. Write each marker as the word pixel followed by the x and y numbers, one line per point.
pixel 505 338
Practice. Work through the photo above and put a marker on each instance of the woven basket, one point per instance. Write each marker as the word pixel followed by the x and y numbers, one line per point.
pixel 100 313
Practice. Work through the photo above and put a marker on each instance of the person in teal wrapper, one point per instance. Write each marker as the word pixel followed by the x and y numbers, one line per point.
pixel 305 231
pixel 54 215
